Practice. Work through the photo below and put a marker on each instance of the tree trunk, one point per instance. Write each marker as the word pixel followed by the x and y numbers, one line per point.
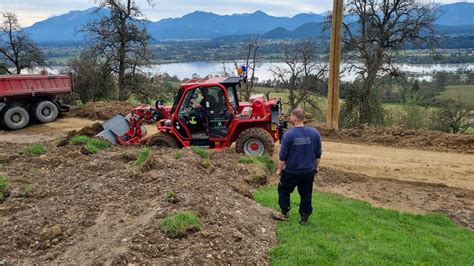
pixel 122 58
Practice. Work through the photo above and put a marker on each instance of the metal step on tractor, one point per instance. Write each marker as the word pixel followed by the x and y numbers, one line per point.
pixel 206 113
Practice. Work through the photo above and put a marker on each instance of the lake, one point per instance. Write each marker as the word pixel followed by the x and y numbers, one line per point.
pixel 263 72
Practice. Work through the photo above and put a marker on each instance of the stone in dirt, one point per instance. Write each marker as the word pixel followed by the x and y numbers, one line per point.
pixel 51 232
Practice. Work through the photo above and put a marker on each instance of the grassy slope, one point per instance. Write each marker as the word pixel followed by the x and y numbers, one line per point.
pixel 465 92
pixel 345 231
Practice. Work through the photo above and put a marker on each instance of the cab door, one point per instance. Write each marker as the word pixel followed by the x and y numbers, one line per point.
pixel 218 113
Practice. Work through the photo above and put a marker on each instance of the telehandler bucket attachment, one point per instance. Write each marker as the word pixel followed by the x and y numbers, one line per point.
pixel 115 127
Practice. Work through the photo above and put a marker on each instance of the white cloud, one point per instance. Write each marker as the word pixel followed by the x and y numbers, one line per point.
pixel 30 11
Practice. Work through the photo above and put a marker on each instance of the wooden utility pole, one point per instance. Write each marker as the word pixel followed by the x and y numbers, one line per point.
pixel 335 65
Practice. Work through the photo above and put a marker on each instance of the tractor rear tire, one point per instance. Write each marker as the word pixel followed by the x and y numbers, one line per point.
pixel 163 140
pixel 16 117
pixel 255 141
pixel 45 111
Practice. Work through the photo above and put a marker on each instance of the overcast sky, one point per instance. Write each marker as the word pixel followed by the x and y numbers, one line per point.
pixel 31 11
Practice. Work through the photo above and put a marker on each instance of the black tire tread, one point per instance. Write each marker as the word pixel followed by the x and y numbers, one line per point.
pixel 255 133
pixel 162 139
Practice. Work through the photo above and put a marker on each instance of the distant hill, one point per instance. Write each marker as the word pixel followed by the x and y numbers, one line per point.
pixel 457 14
pixel 63 28
pixel 196 25
pixel 205 25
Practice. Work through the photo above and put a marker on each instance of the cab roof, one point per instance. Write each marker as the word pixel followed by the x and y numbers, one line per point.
pixel 211 80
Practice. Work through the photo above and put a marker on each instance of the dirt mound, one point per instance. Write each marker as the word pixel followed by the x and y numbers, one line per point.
pixel 66 208
pixel 399 136
pixel 101 110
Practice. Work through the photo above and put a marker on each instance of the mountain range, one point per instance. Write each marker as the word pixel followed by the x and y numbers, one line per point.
pixel 200 25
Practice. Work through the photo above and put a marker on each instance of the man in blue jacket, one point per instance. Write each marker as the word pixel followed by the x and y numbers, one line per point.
pixel 300 154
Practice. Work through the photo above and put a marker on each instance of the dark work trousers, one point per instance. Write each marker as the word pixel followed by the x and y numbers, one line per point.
pixel 304 182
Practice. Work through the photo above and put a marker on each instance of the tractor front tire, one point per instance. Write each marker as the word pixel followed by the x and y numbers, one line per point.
pixel 16 117
pixel 255 141
pixel 163 140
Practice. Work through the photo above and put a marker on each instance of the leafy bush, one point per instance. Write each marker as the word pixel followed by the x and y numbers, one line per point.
pixel 413 115
pixel 3 188
pixel 144 156
pixel 180 224
pixel 36 149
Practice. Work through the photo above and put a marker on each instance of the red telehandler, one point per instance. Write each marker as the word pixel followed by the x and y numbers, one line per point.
pixel 207 113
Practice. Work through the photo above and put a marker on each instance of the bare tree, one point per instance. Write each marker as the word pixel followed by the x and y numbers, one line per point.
pixel 379 29
pixel 302 76
pixel 17 50
pixel 251 50
pixel 454 116
pixel 121 40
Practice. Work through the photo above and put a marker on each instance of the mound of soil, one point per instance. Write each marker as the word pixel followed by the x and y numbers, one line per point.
pixel 101 110
pixel 398 136
pixel 67 208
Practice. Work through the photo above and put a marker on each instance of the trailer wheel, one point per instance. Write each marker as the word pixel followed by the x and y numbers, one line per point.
pixel 163 140
pixel 254 141
pixel 16 117
pixel 45 111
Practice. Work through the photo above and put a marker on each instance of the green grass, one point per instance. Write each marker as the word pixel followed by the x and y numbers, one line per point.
pixel 465 93
pixel 203 153
pixel 143 156
pixel 91 144
pixel 265 161
pixel 343 231
pixel 171 197
pixel 178 155
pixel 36 149
pixel 180 224
pixel 3 188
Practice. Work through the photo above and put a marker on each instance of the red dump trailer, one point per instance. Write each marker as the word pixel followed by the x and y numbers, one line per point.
pixel 27 97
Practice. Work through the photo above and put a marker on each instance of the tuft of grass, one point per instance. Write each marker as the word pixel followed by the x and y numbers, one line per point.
pixel 171 197
pixel 36 149
pixel 265 161
pixel 350 232
pixel 201 152
pixel 27 191
pixel 79 140
pixel 93 145
pixel 143 156
pixel 206 163
pixel 178 155
pixel 180 224
pixel 3 188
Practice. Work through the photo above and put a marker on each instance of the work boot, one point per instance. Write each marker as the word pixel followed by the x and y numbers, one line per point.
pixel 286 212
pixel 304 219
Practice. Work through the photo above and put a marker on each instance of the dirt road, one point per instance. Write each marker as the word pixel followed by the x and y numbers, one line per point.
pixel 451 169
pixel 44 132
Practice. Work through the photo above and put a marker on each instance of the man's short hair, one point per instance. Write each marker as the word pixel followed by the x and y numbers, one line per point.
pixel 298 113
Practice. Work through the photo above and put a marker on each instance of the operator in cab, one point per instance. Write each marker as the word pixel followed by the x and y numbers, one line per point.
pixel 199 104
